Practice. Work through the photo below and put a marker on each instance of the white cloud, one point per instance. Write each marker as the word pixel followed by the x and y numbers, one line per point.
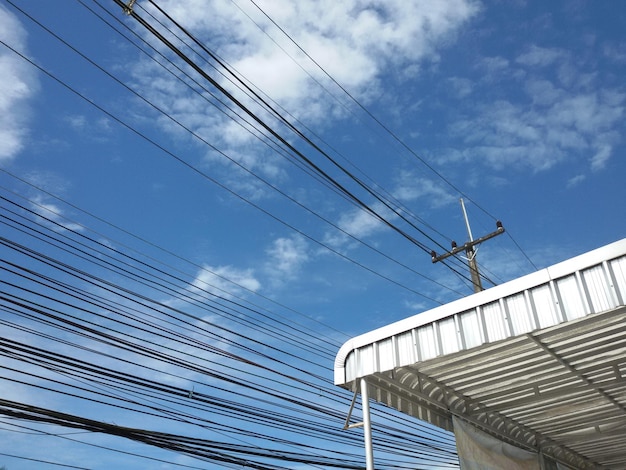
pixel 543 92
pixel 96 129
pixel 460 87
pixel 286 257
pixel 49 181
pixel 615 52
pixel 225 281
pixel 584 113
pixel 576 180
pixel 409 190
pixel 18 84
pixel 493 66
pixel 76 121
pixel 360 223
pixel 559 110
pixel 53 216
pixel 599 159
pixel 411 187
pixel 356 223
pixel 537 56
pixel 562 125
pixel 355 41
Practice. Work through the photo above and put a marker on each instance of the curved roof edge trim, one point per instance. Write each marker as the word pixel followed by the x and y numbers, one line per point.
pixel 529 281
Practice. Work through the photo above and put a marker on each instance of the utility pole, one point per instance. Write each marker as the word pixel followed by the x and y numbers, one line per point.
pixel 470 252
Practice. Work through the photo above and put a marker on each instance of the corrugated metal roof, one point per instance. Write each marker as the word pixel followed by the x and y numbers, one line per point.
pixel 539 361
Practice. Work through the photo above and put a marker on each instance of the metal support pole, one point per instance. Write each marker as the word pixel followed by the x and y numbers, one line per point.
pixel 473 267
pixel 470 252
pixel 467 224
pixel 367 426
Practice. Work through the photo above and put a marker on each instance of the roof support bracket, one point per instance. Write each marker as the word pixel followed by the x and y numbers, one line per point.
pixel 347 424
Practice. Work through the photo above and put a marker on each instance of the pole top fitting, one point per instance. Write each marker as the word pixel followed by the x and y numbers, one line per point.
pixel 128 8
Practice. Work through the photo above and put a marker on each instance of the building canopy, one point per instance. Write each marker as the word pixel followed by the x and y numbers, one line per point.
pixel 538 362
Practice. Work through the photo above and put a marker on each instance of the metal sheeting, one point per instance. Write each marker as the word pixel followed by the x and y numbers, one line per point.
pixel 539 361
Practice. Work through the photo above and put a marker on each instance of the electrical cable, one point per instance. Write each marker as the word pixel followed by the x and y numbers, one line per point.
pixel 221 185
pixel 377 196
pixel 205 142
pixel 71 297
pixel 169 267
pixel 335 98
pixel 239 104
pixel 178 291
pixel 372 116
pixel 41 461
pixel 64 436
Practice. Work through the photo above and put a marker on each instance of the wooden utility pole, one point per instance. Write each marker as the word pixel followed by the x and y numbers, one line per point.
pixel 470 252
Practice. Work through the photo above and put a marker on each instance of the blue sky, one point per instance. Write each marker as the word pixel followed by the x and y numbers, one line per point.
pixel 515 106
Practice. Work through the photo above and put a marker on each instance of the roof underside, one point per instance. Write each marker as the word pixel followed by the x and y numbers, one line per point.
pixel 540 362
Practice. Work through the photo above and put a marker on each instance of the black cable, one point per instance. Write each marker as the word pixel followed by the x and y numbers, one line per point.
pixel 359 203
pixel 370 114
pixel 169 267
pixel 381 124
pixel 231 311
pixel 343 105
pixel 214 148
pixel 217 183
pixel 40 461
pixel 309 162
pixel 64 436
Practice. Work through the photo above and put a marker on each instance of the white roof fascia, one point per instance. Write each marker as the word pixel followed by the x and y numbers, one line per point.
pixel 543 276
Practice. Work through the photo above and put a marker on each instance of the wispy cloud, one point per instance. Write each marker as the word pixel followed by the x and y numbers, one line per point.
pixel 282 263
pixel 410 191
pixel 537 56
pixel 411 187
pixel 460 87
pixel 53 216
pixel 286 257
pixel 225 281
pixel 97 129
pixel 561 114
pixel 360 223
pixel 18 84
pixel 575 181
pixel 339 39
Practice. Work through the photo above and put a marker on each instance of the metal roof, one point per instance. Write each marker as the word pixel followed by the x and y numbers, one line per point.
pixel 539 361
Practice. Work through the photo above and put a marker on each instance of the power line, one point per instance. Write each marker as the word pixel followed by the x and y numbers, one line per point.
pixel 170 268
pixel 34 308
pixel 300 134
pixel 221 185
pixel 72 319
pixel 64 436
pixel 388 130
pixel 216 182
pixel 46 462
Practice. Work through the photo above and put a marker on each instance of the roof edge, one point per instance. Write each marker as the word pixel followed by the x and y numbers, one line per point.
pixel 542 276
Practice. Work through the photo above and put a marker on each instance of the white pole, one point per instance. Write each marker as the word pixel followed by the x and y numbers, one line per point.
pixel 367 427
pixel 471 254
pixel 469 230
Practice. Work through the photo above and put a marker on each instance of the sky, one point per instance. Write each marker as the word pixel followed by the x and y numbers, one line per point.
pixel 244 185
